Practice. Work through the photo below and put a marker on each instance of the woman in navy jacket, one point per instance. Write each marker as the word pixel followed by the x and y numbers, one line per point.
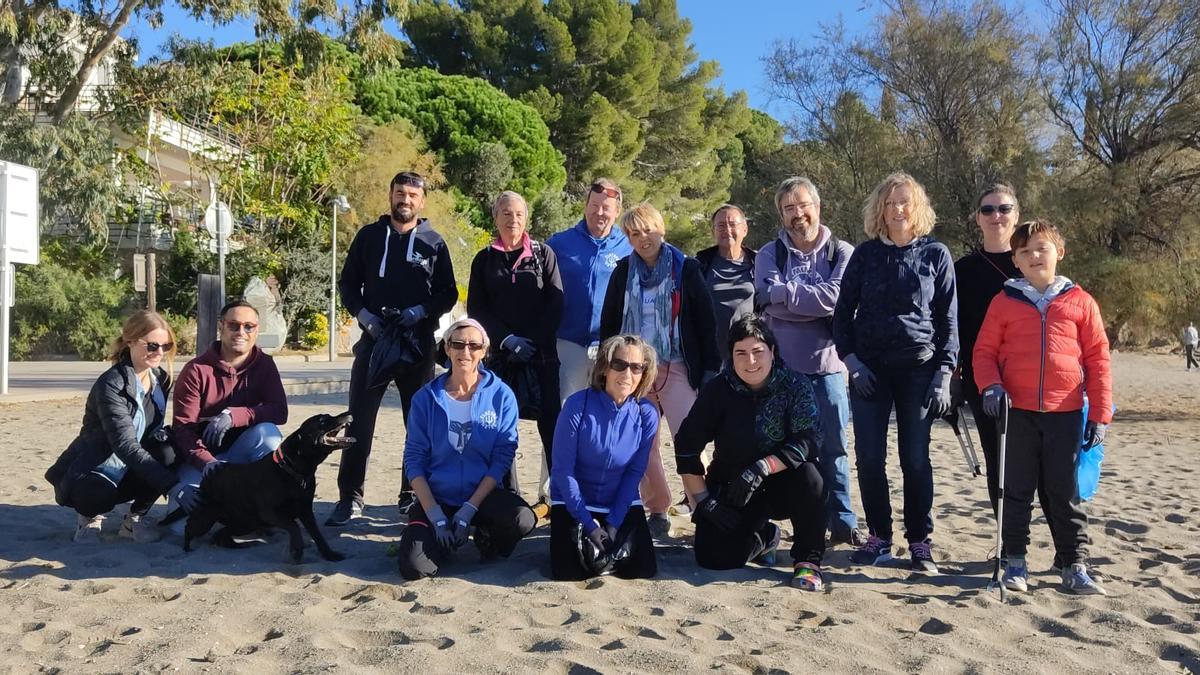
pixel 122 453
pixel 462 436
pixel 601 448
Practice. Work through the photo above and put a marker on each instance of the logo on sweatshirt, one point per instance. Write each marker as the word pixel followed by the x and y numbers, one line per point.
pixel 488 419
pixel 611 260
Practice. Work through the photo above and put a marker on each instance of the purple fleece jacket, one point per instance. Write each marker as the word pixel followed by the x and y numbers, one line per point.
pixel 802 301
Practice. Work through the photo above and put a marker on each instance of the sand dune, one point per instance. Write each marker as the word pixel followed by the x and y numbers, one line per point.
pixel 123 607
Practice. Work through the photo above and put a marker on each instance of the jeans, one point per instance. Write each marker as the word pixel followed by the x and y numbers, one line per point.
pixel 833 407
pixel 905 389
pixel 252 445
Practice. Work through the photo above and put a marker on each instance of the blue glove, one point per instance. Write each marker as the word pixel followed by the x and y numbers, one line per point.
pixel 460 522
pixel 862 380
pixel 521 347
pixel 210 467
pixel 370 323
pixel 937 397
pixel 214 433
pixel 993 400
pixel 441 527
pixel 410 316
pixel 1093 434
pixel 186 495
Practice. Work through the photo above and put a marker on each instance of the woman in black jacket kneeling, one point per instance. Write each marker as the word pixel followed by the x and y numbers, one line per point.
pixel 122 452
pixel 760 475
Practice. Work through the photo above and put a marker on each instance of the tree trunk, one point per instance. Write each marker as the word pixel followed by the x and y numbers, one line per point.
pixel 70 95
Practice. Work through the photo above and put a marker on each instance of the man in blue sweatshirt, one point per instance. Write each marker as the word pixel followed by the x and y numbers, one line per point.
pixel 587 254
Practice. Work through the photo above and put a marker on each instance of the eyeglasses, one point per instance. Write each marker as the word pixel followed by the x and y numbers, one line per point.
pixel 988 209
pixel 606 191
pixel 156 346
pixel 238 326
pixel 621 366
pixel 461 345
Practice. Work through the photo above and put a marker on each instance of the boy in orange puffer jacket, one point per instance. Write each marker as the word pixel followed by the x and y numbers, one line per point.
pixel 1043 345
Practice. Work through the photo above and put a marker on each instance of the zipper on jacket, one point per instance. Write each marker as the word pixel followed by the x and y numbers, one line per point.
pixel 1042 366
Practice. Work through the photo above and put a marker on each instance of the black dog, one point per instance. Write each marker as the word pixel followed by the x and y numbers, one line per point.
pixel 275 491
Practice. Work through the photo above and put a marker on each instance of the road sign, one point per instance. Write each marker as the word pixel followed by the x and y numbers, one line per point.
pixel 139 272
pixel 218 219
pixel 19 212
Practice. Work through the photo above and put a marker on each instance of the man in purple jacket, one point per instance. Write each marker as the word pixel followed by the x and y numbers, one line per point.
pixel 229 402
pixel 797 278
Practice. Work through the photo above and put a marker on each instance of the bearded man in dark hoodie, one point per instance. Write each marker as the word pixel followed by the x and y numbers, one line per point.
pixel 229 403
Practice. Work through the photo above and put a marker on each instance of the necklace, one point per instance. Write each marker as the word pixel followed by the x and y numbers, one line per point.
pixel 1002 273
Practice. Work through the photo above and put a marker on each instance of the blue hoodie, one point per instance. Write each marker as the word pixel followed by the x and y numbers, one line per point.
pixel 585 264
pixel 600 455
pixel 428 452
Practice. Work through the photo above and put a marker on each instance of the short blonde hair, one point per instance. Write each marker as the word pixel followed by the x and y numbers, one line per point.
pixel 140 324
pixel 922 215
pixel 607 352
pixel 643 217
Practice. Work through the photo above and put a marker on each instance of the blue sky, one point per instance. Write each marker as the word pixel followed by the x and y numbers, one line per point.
pixel 735 34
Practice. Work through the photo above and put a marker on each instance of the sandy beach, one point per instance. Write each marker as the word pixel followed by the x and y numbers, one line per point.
pixel 125 607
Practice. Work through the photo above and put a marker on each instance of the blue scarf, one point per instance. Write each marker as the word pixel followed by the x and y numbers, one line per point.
pixel 642 276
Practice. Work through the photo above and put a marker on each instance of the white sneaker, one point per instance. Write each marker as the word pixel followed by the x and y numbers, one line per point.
pixel 87 530
pixel 140 529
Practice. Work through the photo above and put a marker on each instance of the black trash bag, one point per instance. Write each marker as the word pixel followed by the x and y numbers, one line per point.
pixel 396 347
pixel 598 562
pixel 522 378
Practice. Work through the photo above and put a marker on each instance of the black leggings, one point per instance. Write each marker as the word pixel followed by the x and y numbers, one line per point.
pixel 793 494
pixel 564 556
pixel 502 521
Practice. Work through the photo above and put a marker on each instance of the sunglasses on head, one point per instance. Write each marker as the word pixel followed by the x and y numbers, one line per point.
pixel 988 209
pixel 238 326
pixel 411 180
pixel 606 191
pixel 462 344
pixel 157 346
pixel 621 366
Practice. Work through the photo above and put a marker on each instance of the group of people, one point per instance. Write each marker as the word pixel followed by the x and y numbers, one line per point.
pixel 615 327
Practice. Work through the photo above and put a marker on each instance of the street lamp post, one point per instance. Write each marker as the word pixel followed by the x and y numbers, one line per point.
pixel 339 203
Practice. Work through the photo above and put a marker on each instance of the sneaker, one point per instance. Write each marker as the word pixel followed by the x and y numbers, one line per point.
pixel 660 525
pixel 87 530
pixel 343 512
pixel 681 508
pixel 1075 579
pixel 140 529
pixel 807 577
pixel 1016 575
pixel 1093 569
pixel 922 557
pixel 873 552
pixel 770 535
pixel 854 537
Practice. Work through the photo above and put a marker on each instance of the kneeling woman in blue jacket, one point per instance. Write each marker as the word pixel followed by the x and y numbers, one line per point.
pixel 601 448
pixel 462 435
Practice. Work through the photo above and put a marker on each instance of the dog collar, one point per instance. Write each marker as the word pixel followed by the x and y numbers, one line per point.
pixel 282 463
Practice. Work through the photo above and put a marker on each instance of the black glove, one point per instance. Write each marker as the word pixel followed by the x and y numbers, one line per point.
pixel 521 347
pixel 742 488
pixel 1093 434
pixel 723 517
pixel 186 495
pixel 937 397
pixel 993 400
pixel 214 433
pixel 862 380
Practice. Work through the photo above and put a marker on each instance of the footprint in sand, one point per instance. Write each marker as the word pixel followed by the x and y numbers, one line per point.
pixel 553 615
pixel 703 632
pixel 429 610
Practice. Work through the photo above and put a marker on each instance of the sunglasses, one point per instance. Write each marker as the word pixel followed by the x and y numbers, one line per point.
pixel 152 347
pixel 461 345
pixel 236 326
pixel 606 191
pixel 411 180
pixel 988 209
pixel 621 366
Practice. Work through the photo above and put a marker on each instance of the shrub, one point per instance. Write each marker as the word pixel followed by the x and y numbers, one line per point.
pixel 314 330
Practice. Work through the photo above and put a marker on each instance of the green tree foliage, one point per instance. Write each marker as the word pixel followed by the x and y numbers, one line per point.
pixel 77 164
pixel 618 84
pixel 488 142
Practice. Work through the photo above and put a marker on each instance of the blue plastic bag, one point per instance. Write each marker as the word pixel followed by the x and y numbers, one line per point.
pixel 1087 467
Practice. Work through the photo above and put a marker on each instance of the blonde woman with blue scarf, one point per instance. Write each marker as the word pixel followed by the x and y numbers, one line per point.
pixel 659 294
